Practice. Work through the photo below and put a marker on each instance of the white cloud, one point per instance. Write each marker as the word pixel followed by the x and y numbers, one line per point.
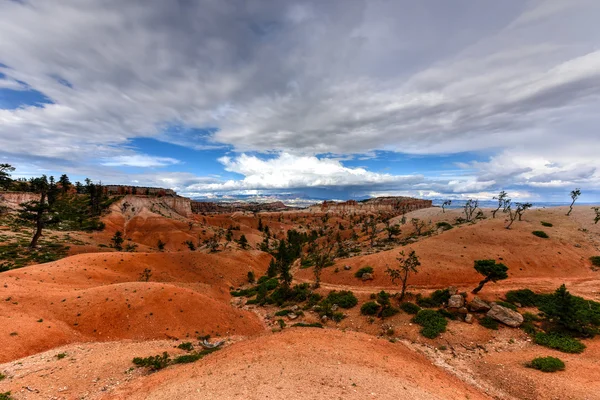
pixel 288 171
pixel 139 160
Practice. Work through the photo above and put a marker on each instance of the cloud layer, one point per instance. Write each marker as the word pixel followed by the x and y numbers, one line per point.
pixel 299 79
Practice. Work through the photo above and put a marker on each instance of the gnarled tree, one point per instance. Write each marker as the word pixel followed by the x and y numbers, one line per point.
pixel 502 196
pixel 445 204
pixel 408 264
pixel 38 211
pixel 491 270
pixel 597 217
pixel 574 196
pixel 470 208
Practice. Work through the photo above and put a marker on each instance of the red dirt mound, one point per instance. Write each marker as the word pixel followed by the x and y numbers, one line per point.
pixel 303 363
pixel 101 297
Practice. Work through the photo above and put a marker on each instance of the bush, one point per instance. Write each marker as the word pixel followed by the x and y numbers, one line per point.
pixel 154 363
pixel 187 346
pixel 369 308
pixel 489 323
pixel 447 314
pixel 524 297
pixel 283 313
pixel 548 224
pixel 6 396
pixel 432 322
pixel 436 299
pixel 528 325
pixel 189 358
pixel 363 270
pixel 547 364
pixel 559 341
pixel 410 308
pixel 343 298
pixel 541 234
pixel 595 260
pixel 2 376
pixel 305 325
pixel 444 225
pixel 389 312
pixel 573 313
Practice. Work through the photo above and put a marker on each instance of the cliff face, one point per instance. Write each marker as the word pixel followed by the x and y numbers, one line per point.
pixel 133 204
pixel 11 200
pixel 380 204
pixel 199 207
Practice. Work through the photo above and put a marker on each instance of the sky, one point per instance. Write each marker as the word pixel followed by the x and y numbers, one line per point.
pixel 331 99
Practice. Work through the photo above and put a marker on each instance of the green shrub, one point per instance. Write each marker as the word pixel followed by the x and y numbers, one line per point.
pixel 525 297
pixel 541 234
pixel 595 260
pixel 507 305
pixel 283 313
pixel 389 312
pixel 190 358
pixel 436 299
pixel 187 346
pixel 444 225
pixel 305 325
pixel 432 322
pixel 2 376
pixel 547 364
pixel 6 396
pixel 447 314
pixel 559 341
pixel 251 277
pixel 489 323
pixel 528 325
pixel 369 308
pixel 153 363
pixel 548 224
pixel 343 298
pixel 362 271
pixel 573 313
pixel 60 356
pixel 410 308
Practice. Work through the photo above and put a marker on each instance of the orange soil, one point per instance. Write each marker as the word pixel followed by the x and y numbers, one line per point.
pixel 304 363
pixel 84 301
pixel 100 297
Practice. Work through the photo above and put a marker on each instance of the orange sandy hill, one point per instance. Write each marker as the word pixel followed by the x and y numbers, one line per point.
pixel 302 363
pixel 99 296
pixel 447 258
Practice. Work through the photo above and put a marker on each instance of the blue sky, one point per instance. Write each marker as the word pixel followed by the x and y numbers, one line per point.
pixel 332 99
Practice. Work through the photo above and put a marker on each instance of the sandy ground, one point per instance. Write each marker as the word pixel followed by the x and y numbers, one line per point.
pixel 96 308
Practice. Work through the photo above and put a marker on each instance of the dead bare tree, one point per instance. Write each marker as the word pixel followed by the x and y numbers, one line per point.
pixel 469 209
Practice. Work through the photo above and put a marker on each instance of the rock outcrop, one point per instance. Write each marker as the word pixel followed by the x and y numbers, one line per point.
pixel 478 305
pixel 505 315
pixel 207 207
pixel 456 301
pixel 395 205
